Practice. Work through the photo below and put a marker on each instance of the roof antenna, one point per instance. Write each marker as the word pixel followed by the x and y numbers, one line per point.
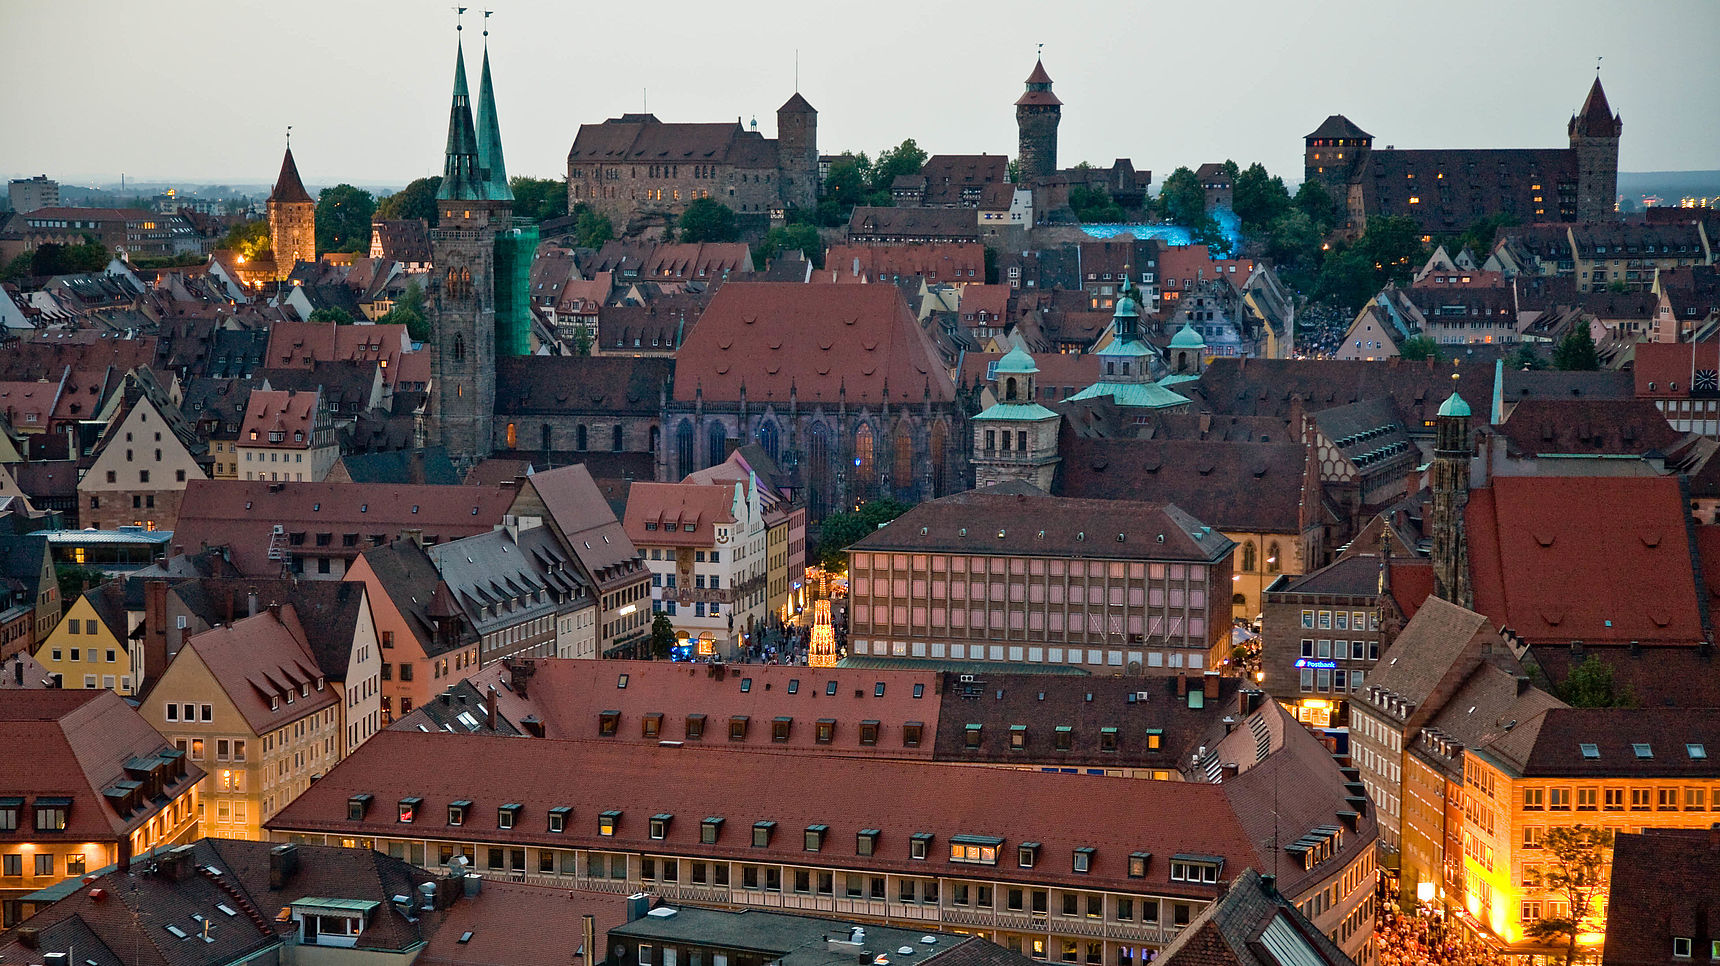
pixel 797 70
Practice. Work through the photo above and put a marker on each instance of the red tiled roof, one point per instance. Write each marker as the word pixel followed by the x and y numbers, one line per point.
pixel 263 659
pixel 847 794
pixel 1536 562
pixel 280 411
pixel 1651 900
pixel 514 924
pixel 826 342
pixel 242 514
pixel 1619 426
pixel 1665 370
pixel 936 263
pixel 677 514
pixel 74 744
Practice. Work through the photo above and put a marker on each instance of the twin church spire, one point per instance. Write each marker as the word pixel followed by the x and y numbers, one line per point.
pixel 472 167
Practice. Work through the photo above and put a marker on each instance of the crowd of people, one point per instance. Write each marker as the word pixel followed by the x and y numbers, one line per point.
pixel 1417 938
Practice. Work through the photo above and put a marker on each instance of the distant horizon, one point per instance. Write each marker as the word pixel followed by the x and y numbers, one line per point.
pixel 366 86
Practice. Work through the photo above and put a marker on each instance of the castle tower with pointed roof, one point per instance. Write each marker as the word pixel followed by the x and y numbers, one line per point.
pixel 797 152
pixel 292 219
pixel 1594 135
pixel 475 206
pixel 1037 114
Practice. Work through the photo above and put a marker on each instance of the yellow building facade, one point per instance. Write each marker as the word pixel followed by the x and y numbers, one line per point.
pixel 88 648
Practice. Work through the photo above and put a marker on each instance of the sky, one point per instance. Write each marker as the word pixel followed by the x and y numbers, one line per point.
pixel 201 91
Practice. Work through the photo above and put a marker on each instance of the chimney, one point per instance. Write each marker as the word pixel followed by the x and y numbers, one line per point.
pixel 1269 884
pixel 275 610
pixel 1522 685
pixel 56 959
pixel 251 602
pixel 30 937
pixel 1182 685
pixel 638 904
pixel 123 849
pixel 227 607
pixel 520 676
pixel 176 865
pixel 18 670
pixel 283 862
pixel 1714 837
pixel 533 726
pixel 1209 684
pixel 1296 412
pixel 1229 770
pixel 490 713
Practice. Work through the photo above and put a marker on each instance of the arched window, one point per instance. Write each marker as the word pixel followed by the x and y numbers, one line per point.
pixel 937 456
pixel 1010 392
pixel 615 438
pixel 865 462
pixel 1248 556
pixel 683 448
pixel 459 349
pixel 579 437
pixel 544 434
pixel 903 476
pixel 716 443
pixel 767 439
pixel 513 437
pixel 1182 362
pixel 1274 563
pixel 818 469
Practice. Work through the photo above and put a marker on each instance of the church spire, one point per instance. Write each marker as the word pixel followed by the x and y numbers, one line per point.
pixel 461 179
pixel 494 172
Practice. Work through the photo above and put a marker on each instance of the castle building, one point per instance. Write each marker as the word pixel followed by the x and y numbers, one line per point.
pixel 474 248
pixel 641 171
pixel 1447 189
pixel 1015 439
pixel 292 219
pixel 1037 113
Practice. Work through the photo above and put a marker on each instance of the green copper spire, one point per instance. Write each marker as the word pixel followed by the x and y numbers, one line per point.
pixel 461 179
pixel 490 165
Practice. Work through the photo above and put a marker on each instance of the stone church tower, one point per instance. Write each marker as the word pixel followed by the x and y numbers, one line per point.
pixel 1037 113
pixel 1448 478
pixel 474 204
pixel 797 152
pixel 1594 140
pixel 292 219
pixel 1015 438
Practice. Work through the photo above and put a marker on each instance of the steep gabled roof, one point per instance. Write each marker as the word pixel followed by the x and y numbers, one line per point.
pixel 1338 126
pixel 288 188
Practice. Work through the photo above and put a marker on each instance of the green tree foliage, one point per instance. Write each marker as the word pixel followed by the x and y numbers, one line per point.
pixel 1182 201
pixel 250 240
pixel 591 228
pixel 74 580
pixel 1525 358
pixel 18 267
pixel 1590 685
pixel 840 530
pixel 416 200
pixel 1258 198
pixel 991 273
pixel 338 316
pixel 662 636
pixel 582 340
pixel 1292 242
pixel 708 220
pixel 408 310
pixel 903 159
pixel 56 259
pixel 183 260
pixel 801 237
pixel 844 187
pixel 1576 351
pixel 1389 251
pixel 539 199
pixel 1313 200
pixel 1577 874
pixel 1095 205
pixel 1419 349
pixel 1480 236
pixel 343 219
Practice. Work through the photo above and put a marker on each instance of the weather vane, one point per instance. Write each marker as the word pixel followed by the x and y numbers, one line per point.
pixel 289 136
pixel 1598 64
pixel 458 13
pixel 487 22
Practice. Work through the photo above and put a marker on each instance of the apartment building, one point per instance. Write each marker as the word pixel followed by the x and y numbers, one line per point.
pixel 1322 637
pixel 567 501
pixel 520 591
pixel 91 646
pixel 87 783
pixel 706 546
pixel 287 436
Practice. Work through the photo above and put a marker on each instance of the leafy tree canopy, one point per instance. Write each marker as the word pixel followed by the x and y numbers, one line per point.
pixel 408 310
pixel 343 219
pixel 1590 685
pixel 662 636
pixel 797 237
pixel 1576 352
pixel 1419 349
pixel 840 530
pixel 1258 198
pixel 1389 250
pixel 250 240
pixel 539 199
pixel 338 316
pixel 1182 200
pixel 592 228
pixel 416 200
pixel 708 220
pixel 1095 205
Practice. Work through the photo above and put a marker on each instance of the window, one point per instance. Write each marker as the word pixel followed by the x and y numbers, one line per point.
pixel 815 837
pixel 408 810
pixel 761 834
pixel 1643 750
pixel 709 829
pixel 1681 947
pixel 1082 861
pixel 44 863
pixel 558 818
pixel 1108 739
pixel 607 823
pixel 1697 752
pixel 972 737
pixel 1138 864
pixel 1027 855
pixel 825 731
pixel 1534 799
pixel 974 849
pixel 911 734
pixel 1195 870
pixel 868 732
pixel 1017 737
pixel 507 814
pixel 457 812
pixel 780 728
pixel 738 728
pixel 919 845
pixel 695 727
pixel 866 842
pixel 1559 799
pixel 651 725
pixel 356 806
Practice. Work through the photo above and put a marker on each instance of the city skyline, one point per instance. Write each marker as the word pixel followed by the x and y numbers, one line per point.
pixel 1127 93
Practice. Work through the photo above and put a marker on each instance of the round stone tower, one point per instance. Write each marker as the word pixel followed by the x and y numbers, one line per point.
pixel 1037 113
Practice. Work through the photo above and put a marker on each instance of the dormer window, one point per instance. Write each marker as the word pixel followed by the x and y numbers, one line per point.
pixel 1138 864
pixel 974 849
pixel 9 807
pixel 780 728
pixel 607 822
pixel 1196 868
pixel 1082 860
pixel 695 727
pixel 356 806
pixel 738 727
pixel 408 810
pixel 457 811
pixel 866 842
pixel 607 723
pixel 651 725
pixel 1065 737
pixel 972 736
pixel 710 829
pixel 558 818
pixel 815 837
pixel 1027 855
pixel 825 731
pixel 1018 737
pixel 869 732
pixel 660 825
pixel 919 846
pixel 761 834
pixel 911 733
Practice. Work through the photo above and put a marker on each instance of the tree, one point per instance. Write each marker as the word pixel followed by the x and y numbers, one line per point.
pixel 1388 251
pixel 1525 358
pixel 800 237
pixel 662 636
pixel 1182 200
pixel 250 240
pixel 1258 198
pixel 582 340
pixel 1577 876
pixel 343 219
pixel 338 316
pixel 1590 685
pixel 592 228
pixel 1313 200
pixel 1576 351
pixel 539 199
pixel 1418 349
pixel 1480 235
pixel 903 159
pixel 53 258
pixel 708 220
pixel 840 530
pixel 1095 205
pixel 18 267
pixel 416 200
pixel 408 310
pixel 74 580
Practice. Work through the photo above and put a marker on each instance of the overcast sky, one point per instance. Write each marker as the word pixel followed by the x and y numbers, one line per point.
pixel 201 90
